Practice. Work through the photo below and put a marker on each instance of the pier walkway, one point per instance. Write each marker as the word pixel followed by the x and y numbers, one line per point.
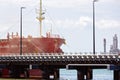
pixel 51 63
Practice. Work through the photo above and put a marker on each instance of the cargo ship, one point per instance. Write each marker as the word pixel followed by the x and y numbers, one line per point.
pixel 48 44
pixel 15 44
pixel 42 44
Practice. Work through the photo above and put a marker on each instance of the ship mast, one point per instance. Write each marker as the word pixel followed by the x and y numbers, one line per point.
pixel 40 17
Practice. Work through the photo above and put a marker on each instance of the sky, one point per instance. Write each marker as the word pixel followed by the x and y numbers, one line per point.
pixel 71 19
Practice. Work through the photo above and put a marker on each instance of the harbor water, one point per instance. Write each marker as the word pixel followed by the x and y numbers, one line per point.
pixel 98 74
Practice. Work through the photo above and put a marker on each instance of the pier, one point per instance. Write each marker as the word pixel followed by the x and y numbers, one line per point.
pixel 51 63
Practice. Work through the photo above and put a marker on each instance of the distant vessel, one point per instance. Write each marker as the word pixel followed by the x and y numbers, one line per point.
pixel 48 44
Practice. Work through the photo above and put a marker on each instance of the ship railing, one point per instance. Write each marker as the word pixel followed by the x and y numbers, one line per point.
pixel 55 36
pixel 56 54
pixel 89 53
pixel 80 53
pixel 49 35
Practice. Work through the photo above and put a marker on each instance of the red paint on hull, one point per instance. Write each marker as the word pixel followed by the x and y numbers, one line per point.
pixel 31 45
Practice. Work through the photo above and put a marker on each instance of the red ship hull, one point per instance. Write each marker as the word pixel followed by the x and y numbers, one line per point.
pixel 31 45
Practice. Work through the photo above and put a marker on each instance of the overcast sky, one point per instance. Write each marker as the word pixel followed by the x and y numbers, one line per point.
pixel 72 19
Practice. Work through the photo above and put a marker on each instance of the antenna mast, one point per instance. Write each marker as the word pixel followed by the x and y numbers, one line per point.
pixel 40 17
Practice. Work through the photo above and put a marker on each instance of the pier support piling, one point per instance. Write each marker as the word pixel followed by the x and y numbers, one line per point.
pixel 56 74
pixel 89 74
pixel 50 73
pixel 80 75
pixel 116 74
pixel 84 73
